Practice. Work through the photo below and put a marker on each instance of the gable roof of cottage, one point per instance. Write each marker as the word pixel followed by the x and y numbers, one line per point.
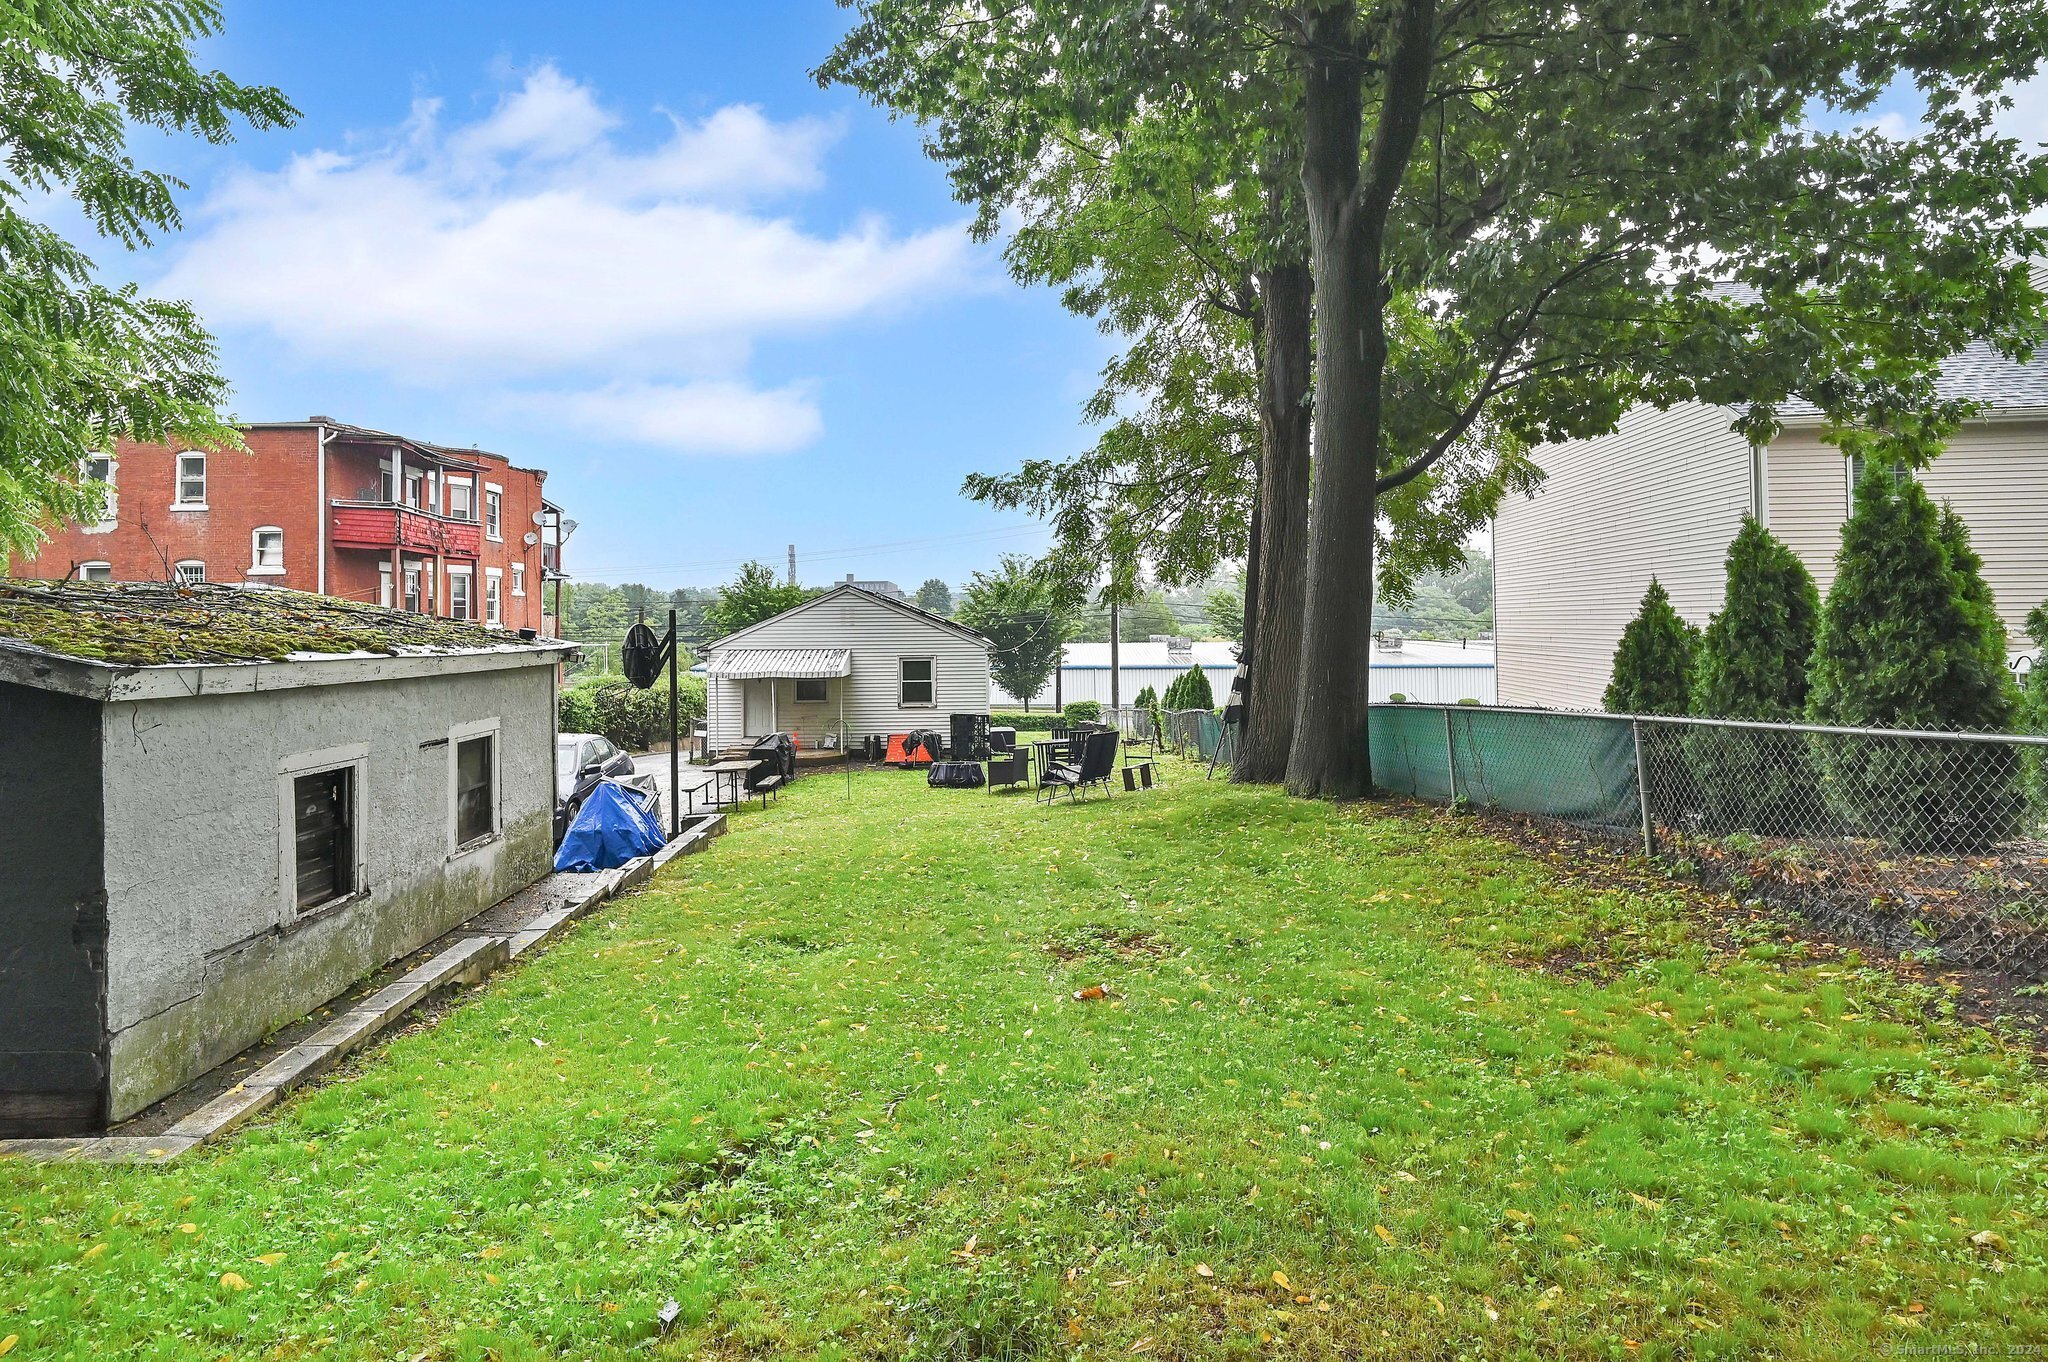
pixel 840 592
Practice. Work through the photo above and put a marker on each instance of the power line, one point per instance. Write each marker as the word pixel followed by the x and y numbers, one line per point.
pixel 834 553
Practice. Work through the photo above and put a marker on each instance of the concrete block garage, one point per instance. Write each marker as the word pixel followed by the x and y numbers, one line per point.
pixel 220 806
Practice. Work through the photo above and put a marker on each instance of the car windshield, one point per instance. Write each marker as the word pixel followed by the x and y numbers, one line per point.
pixel 565 757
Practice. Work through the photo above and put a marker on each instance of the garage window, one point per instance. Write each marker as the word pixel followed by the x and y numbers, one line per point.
pixel 473 772
pixel 324 836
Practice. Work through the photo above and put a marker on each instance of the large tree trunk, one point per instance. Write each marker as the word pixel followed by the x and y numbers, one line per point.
pixel 1274 598
pixel 1331 755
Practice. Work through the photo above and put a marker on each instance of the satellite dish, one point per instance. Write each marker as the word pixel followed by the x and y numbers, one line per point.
pixel 532 538
pixel 540 517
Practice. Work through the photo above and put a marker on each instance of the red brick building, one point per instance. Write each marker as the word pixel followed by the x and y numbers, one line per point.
pixel 318 505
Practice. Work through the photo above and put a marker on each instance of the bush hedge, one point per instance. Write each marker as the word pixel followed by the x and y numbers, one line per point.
pixel 634 719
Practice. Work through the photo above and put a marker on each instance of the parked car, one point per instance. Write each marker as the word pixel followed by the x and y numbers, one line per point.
pixel 582 760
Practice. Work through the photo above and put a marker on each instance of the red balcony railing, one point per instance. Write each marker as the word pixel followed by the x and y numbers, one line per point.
pixel 384 525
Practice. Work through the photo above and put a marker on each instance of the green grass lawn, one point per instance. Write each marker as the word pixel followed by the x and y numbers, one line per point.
pixel 828 1088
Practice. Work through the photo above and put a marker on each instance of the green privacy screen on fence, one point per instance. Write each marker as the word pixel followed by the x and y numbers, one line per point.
pixel 1578 767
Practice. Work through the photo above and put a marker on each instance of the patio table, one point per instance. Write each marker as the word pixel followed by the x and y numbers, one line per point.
pixel 736 770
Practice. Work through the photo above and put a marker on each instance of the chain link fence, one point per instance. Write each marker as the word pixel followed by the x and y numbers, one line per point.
pixel 1191 733
pixel 1916 841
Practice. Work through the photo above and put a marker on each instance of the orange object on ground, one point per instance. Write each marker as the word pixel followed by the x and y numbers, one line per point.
pixel 898 757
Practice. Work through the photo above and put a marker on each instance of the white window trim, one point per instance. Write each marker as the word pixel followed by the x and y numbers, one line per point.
pixel 457 735
pixel 493 495
pixel 494 597
pixel 451 482
pixel 519 579
pixel 933 682
pixel 178 502
pixel 356 755
pixel 83 568
pixel 178 568
pixel 1849 480
pixel 385 586
pixel 256 564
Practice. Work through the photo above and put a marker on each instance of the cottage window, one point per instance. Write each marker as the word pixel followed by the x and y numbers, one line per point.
pixel 494 512
pixel 191 482
pixel 917 687
pixel 324 838
pixel 461 492
pixel 95 572
pixel 476 783
pixel 458 595
pixel 191 572
pixel 266 550
pixel 494 603
pixel 519 579
pixel 810 690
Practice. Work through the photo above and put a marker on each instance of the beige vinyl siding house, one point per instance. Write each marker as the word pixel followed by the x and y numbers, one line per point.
pixel 1662 495
pixel 1665 493
pixel 843 665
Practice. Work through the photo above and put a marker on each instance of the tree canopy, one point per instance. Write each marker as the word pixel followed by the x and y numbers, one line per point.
pixel 1024 621
pixel 83 365
pixel 935 596
pixel 754 595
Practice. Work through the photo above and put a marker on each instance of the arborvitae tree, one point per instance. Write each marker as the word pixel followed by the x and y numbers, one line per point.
pixel 1653 665
pixel 1968 566
pixel 2033 704
pixel 1751 663
pixel 1905 643
pixel 1190 691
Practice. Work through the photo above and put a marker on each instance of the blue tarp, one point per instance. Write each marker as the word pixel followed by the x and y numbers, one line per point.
pixel 614 825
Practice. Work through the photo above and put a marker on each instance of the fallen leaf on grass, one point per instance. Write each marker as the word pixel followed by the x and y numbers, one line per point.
pixel 96 1250
pixel 1989 1239
pixel 1280 1279
pixel 1204 1270
pixel 1090 994
pixel 1383 1232
pixel 7 1344
pixel 270 1259
pixel 234 1281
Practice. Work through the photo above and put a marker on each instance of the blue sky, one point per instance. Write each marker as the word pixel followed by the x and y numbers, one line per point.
pixel 633 244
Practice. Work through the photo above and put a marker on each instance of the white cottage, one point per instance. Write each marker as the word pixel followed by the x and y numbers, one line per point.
pixel 841 667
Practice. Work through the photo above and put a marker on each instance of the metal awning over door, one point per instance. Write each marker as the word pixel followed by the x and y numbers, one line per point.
pixel 754 664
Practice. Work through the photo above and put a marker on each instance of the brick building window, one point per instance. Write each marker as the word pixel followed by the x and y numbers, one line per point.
pixel 191 482
pixel 101 468
pixel 95 572
pixel 494 512
pixel 494 597
pixel 461 492
pixel 519 579
pixel 190 572
pixel 266 551
pixel 458 594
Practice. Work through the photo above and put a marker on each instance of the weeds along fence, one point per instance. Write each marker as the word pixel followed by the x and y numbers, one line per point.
pixel 1918 841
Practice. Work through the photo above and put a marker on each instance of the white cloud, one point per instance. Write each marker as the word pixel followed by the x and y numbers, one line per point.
pixel 531 251
pixel 704 417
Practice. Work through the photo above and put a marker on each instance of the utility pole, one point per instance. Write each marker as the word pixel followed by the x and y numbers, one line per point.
pixel 1115 678
pixel 792 565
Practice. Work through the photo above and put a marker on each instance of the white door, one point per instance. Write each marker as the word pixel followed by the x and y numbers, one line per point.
pixel 757 709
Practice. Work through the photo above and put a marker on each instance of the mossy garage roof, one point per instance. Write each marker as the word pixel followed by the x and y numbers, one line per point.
pixel 155 623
